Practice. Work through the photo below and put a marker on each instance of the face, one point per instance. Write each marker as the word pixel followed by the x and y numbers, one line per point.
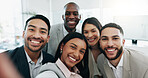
pixel 112 43
pixel 73 52
pixel 36 35
pixel 92 34
pixel 71 17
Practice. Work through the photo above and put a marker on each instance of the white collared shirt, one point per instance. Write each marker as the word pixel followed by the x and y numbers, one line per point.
pixel 34 68
pixel 66 72
pixel 118 70
pixel 65 31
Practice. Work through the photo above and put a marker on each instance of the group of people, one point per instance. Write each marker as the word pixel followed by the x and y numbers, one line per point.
pixel 62 51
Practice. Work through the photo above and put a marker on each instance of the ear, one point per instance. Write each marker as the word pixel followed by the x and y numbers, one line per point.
pixel 63 17
pixel 48 37
pixel 61 47
pixel 23 34
pixel 123 41
pixel 79 17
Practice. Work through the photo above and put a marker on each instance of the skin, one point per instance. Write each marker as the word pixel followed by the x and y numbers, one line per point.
pixel 111 42
pixel 35 37
pixel 71 17
pixel 92 35
pixel 73 52
pixel 7 69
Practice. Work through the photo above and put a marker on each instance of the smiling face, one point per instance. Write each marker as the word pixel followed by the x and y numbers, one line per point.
pixel 92 34
pixel 73 52
pixel 112 43
pixel 36 35
pixel 71 17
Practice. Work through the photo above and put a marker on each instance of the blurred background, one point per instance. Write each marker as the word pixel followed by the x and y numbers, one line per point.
pixel 131 15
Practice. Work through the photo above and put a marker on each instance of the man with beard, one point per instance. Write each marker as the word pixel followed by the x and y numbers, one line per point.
pixel 120 62
pixel 71 18
pixel 29 58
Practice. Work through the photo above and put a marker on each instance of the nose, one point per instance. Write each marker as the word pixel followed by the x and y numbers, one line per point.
pixel 71 15
pixel 37 34
pixel 110 43
pixel 89 34
pixel 76 54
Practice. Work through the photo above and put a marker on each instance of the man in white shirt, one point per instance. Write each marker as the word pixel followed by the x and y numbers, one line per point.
pixel 119 62
pixel 71 18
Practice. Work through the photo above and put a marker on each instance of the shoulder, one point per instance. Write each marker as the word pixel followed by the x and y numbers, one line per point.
pixel 51 67
pixel 15 51
pixel 48 57
pixel 47 74
pixel 101 58
pixel 56 26
pixel 136 56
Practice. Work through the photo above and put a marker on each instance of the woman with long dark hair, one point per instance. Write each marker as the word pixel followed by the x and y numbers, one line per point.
pixel 71 59
pixel 91 29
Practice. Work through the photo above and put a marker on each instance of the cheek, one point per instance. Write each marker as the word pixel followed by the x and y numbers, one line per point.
pixel 81 57
pixel 85 35
pixel 102 44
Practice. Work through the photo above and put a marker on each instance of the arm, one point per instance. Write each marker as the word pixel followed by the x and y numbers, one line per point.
pixel 47 74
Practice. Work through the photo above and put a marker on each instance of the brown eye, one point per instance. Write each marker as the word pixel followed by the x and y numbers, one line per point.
pixel 85 32
pixel 31 29
pixel 82 52
pixel 73 47
pixel 75 13
pixel 67 13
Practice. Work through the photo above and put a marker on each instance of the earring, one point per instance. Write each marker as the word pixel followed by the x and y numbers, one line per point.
pixel 61 51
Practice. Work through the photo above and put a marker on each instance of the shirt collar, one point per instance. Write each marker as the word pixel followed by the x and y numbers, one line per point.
pixel 65 31
pixel 120 64
pixel 65 70
pixel 39 59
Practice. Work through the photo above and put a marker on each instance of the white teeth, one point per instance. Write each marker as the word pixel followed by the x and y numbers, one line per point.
pixel 91 39
pixel 111 50
pixel 72 59
pixel 35 42
pixel 71 22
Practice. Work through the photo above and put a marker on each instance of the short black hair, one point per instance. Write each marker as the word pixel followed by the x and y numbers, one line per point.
pixel 113 25
pixel 38 16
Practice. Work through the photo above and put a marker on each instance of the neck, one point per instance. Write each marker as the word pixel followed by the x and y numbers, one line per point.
pixel 70 30
pixel 33 55
pixel 116 61
pixel 95 51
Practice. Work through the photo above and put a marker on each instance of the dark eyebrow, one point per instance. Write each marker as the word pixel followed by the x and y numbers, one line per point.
pixel 35 27
pixel 116 36
pixel 44 29
pixel 32 26
pixel 103 36
pixel 76 46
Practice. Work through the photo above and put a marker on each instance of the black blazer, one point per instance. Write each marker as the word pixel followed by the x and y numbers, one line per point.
pixel 19 59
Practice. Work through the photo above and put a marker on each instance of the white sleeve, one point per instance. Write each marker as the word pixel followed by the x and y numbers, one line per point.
pixel 47 74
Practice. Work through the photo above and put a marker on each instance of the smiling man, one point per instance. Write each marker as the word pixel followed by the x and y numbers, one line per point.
pixel 120 62
pixel 71 18
pixel 29 58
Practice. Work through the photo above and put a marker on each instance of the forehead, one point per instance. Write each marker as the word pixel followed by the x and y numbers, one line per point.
pixel 71 7
pixel 89 27
pixel 38 23
pixel 110 32
pixel 78 42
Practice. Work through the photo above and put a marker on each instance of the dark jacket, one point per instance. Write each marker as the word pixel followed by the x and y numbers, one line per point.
pixel 19 59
